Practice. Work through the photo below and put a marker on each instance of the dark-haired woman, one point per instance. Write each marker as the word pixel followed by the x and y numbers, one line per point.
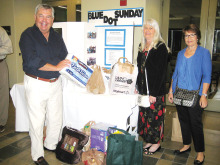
pixel 192 72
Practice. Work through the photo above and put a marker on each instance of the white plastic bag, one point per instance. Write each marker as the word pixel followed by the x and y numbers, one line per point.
pixel 123 78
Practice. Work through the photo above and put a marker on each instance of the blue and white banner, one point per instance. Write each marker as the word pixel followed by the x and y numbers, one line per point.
pixel 117 17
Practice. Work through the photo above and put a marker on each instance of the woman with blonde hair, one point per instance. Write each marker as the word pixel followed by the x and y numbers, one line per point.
pixel 152 64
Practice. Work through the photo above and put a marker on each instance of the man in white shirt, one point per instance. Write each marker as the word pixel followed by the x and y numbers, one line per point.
pixel 5 49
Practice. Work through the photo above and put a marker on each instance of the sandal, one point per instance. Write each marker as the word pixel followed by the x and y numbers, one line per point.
pixel 146 149
pixel 151 153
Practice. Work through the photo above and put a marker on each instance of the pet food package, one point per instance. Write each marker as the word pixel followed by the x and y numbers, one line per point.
pixel 99 136
pixel 123 78
pixel 78 72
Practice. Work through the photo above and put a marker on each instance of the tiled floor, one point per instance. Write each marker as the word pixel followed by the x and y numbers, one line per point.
pixel 15 146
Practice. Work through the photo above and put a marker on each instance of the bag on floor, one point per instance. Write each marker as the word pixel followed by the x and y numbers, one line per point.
pixel 124 149
pixel 176 129
pixel 93 157
pixel 87 131
pixel 69 148
pixel 123 78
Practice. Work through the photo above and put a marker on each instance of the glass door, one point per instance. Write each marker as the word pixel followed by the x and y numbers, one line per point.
pixel 182 13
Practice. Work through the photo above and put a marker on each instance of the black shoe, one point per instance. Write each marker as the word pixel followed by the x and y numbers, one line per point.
pixel 197 162
pixel 41 161
pixel 178 152
pixel 49 149
pixel 2 128
pixel 151 153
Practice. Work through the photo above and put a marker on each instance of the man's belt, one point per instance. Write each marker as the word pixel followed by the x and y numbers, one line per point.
pixel 42 79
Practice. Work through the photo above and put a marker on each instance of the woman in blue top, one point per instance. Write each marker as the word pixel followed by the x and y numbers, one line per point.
pixel 192 72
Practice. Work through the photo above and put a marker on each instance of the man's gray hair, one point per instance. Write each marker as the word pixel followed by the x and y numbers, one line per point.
pixel 45 6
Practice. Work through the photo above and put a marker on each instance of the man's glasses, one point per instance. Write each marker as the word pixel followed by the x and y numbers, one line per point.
pixel 190 35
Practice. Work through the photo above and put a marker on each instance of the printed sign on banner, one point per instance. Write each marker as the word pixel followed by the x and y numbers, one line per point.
pixel 117 17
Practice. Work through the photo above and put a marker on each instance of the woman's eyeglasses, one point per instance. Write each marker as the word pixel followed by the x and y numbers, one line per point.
pixel 190 35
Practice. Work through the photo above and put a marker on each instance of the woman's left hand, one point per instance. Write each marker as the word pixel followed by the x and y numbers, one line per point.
pixel 152 99
pixel 135 91
pixel 203 102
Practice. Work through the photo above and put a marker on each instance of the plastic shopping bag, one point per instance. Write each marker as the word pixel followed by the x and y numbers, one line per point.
pixel 123 78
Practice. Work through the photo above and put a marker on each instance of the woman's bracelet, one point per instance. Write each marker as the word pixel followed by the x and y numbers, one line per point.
pixel 170 92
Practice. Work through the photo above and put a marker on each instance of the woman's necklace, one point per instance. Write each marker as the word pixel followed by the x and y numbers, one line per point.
pixel 190 51
pixel 147 47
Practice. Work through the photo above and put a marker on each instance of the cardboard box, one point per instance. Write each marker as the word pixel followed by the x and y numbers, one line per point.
pixel 78 71
pixel 99 136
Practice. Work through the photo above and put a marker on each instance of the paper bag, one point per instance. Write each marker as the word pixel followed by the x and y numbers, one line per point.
pixel 93 157
pixel 176 130
pixel 96 83
pixel 87 131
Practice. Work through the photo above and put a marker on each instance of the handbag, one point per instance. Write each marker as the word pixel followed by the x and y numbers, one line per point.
pixel 123 149
pixel 143 101
pixel 69 148
pixel 185 97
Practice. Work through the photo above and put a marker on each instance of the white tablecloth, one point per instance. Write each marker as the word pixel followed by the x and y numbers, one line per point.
pixel 21 117
pixel 80 107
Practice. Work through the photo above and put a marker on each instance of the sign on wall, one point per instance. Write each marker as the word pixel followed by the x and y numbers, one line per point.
pixel 102 45
pixel 117 17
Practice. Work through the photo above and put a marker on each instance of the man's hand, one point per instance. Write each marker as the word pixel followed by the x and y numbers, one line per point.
pixel 63 64
pixel 58 67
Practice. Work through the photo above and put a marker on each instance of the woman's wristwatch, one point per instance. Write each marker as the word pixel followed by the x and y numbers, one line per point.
pixel 204 94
